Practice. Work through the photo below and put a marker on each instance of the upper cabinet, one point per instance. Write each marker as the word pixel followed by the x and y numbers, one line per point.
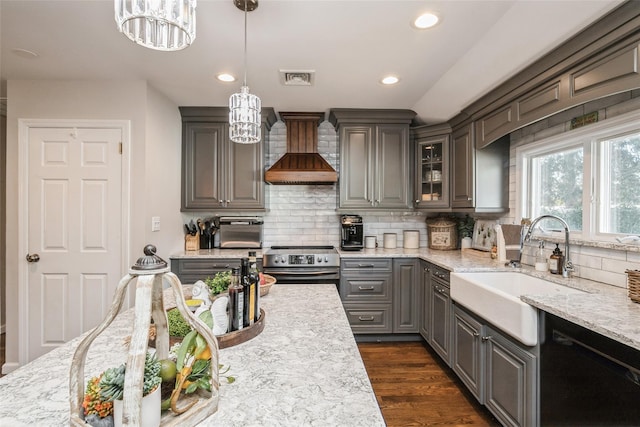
pixel 432 177
pixel 374 158
pixel 480 177
pixel 217 173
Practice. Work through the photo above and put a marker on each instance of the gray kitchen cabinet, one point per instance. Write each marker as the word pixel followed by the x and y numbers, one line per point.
pixel 374 158
pixel 216 172
pixel 190 270
pixel 366 293
pixel 425 298
pixel 406 301
pixel 480 177
pixel 498 371
pixel 467 357
pixel 440 313
pixel 432 178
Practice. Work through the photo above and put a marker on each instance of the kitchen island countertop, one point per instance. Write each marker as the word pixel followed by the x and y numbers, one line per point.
pixel 304 369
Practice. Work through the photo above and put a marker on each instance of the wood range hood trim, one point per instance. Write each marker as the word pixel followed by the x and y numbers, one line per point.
pixel 301 164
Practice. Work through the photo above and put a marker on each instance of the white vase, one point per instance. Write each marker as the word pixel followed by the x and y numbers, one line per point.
pixel 150 414
pixel 465 243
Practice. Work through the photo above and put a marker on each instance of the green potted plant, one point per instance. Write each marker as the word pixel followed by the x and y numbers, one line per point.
pixel 465 230
pixel 112 390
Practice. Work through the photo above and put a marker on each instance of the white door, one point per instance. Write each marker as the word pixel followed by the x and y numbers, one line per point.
pixel 75 232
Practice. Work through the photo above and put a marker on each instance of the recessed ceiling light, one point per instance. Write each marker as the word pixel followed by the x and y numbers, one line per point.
pixel 426 20
pixel 226 77
pixel 389 80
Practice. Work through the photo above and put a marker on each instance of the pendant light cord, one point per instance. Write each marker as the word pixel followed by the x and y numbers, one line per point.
pixel 245 43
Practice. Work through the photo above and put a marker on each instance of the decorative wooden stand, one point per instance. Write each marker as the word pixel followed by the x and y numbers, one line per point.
pixel 149 272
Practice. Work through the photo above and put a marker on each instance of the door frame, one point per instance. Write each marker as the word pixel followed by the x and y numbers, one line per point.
pixel 24 125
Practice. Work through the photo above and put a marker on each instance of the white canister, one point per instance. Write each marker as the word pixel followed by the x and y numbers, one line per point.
pixel 390 240
pixel 370 242
pixel 411 239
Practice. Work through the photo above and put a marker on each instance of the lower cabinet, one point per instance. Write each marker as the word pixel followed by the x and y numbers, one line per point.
pixel 381 295
pixel 425 298
pixel 440 313
pixel 190 270
pixel 406 288
pixel 500 373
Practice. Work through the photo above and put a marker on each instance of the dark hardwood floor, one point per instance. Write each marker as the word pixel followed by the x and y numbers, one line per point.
pixel 415 388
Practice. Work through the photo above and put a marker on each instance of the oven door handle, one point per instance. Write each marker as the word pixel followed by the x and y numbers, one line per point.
pixel 301 273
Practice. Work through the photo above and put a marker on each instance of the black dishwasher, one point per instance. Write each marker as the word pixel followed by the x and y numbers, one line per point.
pixel 587 379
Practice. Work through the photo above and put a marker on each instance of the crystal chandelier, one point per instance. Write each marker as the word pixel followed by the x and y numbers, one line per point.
pixel 244 108
pixel 157 24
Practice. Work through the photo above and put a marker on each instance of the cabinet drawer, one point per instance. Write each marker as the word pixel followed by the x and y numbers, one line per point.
pixel 190 270
pixel 372 287
pixel 367 264
pixel 369 319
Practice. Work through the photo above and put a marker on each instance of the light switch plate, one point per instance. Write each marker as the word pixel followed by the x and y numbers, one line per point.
pixel 155 223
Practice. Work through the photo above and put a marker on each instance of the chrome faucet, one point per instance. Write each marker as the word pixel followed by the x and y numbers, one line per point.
pixel 567 265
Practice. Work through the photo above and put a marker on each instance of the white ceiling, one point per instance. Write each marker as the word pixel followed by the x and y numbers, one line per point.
pixel 350 44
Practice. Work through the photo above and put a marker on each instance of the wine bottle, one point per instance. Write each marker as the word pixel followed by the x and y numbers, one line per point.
pixel 249 295
pixel 254 277
pixel 236 301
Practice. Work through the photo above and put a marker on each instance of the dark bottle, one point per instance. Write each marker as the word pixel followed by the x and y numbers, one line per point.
pixel 556 261
pixel 254 277
pixel 249 295
pixel 236 302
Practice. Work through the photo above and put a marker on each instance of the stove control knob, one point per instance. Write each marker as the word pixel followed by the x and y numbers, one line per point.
pixel 319 259
pixel 326 258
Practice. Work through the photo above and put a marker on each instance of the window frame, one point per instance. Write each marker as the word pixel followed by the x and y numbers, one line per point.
pixel 588 137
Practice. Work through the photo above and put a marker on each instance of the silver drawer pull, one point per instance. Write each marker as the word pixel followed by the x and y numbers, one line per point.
pixel 366 288
pixel 366 318
pixel 365 266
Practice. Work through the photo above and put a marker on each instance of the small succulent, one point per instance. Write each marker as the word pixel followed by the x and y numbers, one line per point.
pixel 112 382
pixel 93 403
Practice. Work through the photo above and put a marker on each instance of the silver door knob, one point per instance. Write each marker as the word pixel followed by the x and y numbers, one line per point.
pixel 33 258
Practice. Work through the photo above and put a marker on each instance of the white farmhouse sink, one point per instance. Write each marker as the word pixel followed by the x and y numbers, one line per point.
pixel 495 296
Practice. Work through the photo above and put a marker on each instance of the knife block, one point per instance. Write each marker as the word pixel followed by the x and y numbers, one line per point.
pixel 191 242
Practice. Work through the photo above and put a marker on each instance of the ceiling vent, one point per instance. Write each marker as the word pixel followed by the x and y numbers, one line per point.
pixel 297 78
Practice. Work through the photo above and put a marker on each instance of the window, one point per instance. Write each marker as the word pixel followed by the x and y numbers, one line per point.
pixel 590 177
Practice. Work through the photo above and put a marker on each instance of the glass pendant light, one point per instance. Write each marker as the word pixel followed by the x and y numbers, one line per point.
pixel 244 108
pixel 157 24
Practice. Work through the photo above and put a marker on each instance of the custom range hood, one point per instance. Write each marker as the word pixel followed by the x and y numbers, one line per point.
pixel 301 164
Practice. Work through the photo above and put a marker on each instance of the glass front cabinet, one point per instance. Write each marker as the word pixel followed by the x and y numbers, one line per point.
pixel 432 170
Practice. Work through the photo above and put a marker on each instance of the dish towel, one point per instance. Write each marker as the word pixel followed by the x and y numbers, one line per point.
pixel 512 236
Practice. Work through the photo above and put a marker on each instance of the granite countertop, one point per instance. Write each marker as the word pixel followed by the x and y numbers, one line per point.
pixel 304 369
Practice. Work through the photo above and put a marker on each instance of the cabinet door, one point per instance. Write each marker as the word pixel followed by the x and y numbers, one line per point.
pixel 510 392
pixel 462 191
pixel 440 319
pixel 392 182
pixel 425 296
pixel 432 173
pixel 356 174
pixel 467 357
pixel 405 296
pixel 245 184
pixel 202 178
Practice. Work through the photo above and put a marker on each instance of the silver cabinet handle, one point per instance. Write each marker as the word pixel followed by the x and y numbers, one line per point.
pixel 366 318
pixel 487 338
pixel 476 335
pixel 366 288
pixel 33 257
pixel 365 266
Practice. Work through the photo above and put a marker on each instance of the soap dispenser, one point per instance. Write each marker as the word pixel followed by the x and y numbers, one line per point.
pixel 541 259
pixel 555 261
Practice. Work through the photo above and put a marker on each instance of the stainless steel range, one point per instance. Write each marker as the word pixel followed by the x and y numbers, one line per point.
pixel 302 264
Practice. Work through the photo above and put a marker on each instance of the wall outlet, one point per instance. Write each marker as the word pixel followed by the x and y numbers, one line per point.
pixel 155 223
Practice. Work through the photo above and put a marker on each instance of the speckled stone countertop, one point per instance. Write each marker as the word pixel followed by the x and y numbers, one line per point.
pixel 217 253
pixel 304 369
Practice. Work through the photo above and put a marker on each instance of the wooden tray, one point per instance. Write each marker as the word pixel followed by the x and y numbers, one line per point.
pixel 238 337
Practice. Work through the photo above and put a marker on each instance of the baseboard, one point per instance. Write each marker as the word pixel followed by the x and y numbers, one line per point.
pixel 7 368
pixel 387 337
